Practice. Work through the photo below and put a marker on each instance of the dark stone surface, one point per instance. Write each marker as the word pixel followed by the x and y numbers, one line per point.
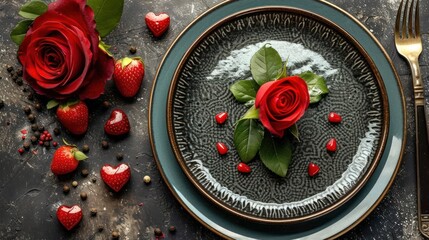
pixel 30 193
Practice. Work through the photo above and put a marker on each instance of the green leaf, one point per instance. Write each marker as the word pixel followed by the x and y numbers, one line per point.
pixel 33 9
pixel 103 46
pixel 283 73
pixel 316 86
pixel 52 103
pixel 294 131
pixel 248 137
pixel 79 155
pixel 244 90
pixel 265 65
pixel 18 33
pixel 276 154
pixel 252 113
pixel 107 14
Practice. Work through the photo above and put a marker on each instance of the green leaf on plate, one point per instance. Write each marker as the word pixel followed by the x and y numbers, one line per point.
pixel 294 131
pixel 266 65
pixel 276 154
pixel 33 9
pixel 244 90
pixel 107 14
pixel 316 86
pixel 248 135
pixel 252 113
pixel 104 47
pixel 18 33
pixel 283 73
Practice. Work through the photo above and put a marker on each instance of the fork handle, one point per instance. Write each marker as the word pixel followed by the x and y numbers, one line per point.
pixel 422 151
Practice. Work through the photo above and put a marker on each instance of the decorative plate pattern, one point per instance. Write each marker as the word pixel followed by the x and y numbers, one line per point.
pixel 200 89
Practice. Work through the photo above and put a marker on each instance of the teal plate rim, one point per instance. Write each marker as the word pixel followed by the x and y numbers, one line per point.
pixel 332 225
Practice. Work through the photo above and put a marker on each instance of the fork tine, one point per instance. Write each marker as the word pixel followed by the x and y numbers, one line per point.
pixel 398 20
pixel 410 19
pixel 406 16
pixel 417 20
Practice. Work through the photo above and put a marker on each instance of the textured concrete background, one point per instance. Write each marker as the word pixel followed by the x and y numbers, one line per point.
pixel 30 194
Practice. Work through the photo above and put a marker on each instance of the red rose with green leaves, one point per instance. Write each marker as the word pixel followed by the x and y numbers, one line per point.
pixel 282 103
pixel 60 53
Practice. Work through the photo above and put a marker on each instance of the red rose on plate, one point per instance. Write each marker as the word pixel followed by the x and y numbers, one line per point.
pixel 282 103
pixel 60 54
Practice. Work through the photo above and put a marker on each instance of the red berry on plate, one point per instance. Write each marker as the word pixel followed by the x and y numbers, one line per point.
pixel 221 117
pixel 313 169
pixel 334 117
pixel 21 150
pixel 69 217
pixel 243 168
pixel 74 116
pixel 117 124
pixel 331 146
pixel 66 159
pixel 128 76
pixel 115 177
pixel 222 148
pixel 157 24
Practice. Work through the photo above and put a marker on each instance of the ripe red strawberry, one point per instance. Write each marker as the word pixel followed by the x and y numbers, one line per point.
pixel 117 124
pixel 66 159
pixel 74 116
pixel 128 76
pixel 157 24
pixel 115 177
pixel 69 217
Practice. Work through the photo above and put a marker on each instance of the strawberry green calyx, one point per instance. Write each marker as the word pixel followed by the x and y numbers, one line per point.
pixel 78 155
pixel 52 103
pixel 126 61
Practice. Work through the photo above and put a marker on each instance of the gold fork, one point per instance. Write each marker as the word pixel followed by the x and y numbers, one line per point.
pixel 409 44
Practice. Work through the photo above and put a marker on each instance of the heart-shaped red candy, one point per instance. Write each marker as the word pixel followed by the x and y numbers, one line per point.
pixel 221 117
pixel 117 124
pixel 157 24
pixel 243 168
pixel 116 177
pixel 334 117
pixel 69 217
pixel 313 169
pixel 331 145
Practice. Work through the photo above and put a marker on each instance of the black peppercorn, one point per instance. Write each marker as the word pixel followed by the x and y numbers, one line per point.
pixel 157 232
pixel 30 97
pixel 93 211
pixel 41 128
pixel 19 72
pixel 85 148
pixel 115 235
pixel 84 172
pixel 172 229
pixel 26 145
pixel 18 80
pixel 27 110
pixel 94 180
pixel 119 156
pixel 33 139
pixel 57 131
pixel 38 106
pixel 66 189
pixel 104 144
pixel 9 68
pixel 83 196
pixel 31 118
pixel 106 104
pixel 100 228
pixel 46 144
pixel 133 50
pixel 34 127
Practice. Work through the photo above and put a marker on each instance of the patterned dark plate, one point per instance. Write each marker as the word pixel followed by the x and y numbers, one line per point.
pixel 221 56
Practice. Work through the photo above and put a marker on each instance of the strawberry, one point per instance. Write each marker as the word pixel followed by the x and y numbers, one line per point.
pixel 66 159
pixel 128 76
pixel 117 124
pixel 115 177
pixel 74 116
pixel 69 217
pixel 157 24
